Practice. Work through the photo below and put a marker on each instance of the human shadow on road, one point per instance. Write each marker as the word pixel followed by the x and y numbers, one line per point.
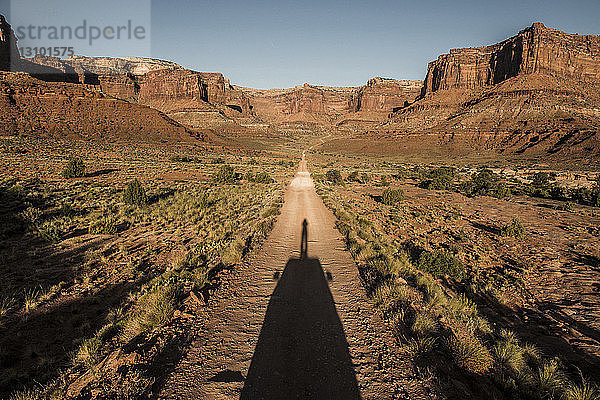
pixel 302 351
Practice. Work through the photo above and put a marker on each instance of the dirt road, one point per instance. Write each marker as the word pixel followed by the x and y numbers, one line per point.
pixel 294 325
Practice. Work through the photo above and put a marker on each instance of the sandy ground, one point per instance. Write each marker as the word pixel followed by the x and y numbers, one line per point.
pixel 291 325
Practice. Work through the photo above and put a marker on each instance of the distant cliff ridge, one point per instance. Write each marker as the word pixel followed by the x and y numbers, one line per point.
pixel 537 49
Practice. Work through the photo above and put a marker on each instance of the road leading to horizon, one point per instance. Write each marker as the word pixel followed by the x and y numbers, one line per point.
pixel 287 325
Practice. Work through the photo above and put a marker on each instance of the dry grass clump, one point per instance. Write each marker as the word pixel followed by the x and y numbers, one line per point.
pixel 75 168
pixel 514 229
pixel 154 310
pixel 470 353
pixel 135 194
pixel 438 316
pixel 104 225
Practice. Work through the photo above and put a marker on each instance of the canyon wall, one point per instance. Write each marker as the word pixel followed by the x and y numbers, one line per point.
pixel 58 109
pixel 326 107
pixel 8 45
pixel 537 49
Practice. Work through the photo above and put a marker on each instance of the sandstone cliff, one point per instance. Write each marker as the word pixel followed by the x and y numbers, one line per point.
pixel 311 107
pixel 537 49
pixel 537 93
pixel 8 45
pixel 31 106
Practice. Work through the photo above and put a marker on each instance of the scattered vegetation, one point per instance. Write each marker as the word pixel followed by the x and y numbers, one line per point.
pixel 75 168
pixel 514 229
pixel 333 176
pixel 225 174
pixel 440 263
pixel 259 177
pixel 135 194
pixel 485 183
pixel 392 197
pixel 441 178
pixel 103 226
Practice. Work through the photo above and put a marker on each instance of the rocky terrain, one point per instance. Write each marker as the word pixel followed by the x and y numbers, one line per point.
pixel 309 107
pixel 150 244
pixel 537 93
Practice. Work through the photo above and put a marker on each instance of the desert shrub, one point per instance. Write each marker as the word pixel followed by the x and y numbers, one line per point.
pixel 541 180
pixel 103 226
pixel 583 391
pixel 259 177
pixel 587 196
pixel 135 194
pixel 333 176
pixel 87 353
pixel 154 309
pixel 485 183
pixel 513 229
pixel 392 197
pixel 440 178
pixel 353 177
pixel 225 174
pixel 233 253
pixel 50 231
pixel 469 353
pixel 75 168
pixel 440 263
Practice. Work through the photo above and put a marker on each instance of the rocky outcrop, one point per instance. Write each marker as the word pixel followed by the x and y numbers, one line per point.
pixel 31 106
pixel 537 49
pixel 387 95
pixel 320 107
pixel 8 45
pixel 537 93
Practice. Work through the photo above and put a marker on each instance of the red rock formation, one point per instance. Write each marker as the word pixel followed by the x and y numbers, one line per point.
pixel 535 93
pixel 536 49
pixel 31 106
pixel 386 95
pixel 8 45
pixel 320 107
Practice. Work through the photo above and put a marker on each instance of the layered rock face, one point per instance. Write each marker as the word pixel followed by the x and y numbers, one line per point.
pixel 536 49
pixel 31 106
pixel 197 99
pixel 536 93
pixel 8 45
pixel 320 107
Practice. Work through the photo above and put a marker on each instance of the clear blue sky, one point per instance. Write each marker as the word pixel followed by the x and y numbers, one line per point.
pixel 282 43
pixel 268 44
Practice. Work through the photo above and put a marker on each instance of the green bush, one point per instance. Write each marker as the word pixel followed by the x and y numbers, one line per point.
pixel 469 353
pixel 75 168
pixel 135 194
pixel 440 178
pixel 485 183
pixel 392 197
pixel 225 174
pixel 333 176
pixel 103 226
pixel 51 231
pixel 541 180
pixel 440 263
pixel 353 177
pixel 259 177
pixel 513 229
